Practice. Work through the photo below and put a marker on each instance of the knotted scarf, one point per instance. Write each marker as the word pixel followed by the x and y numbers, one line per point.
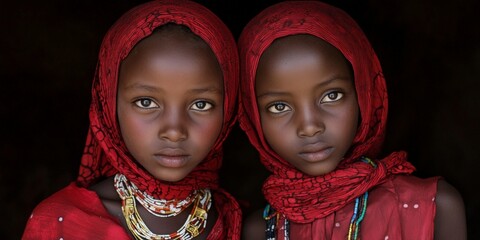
pixel 105 153
pixel 300 197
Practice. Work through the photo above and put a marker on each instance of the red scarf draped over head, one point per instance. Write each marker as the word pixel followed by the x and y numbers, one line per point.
pixel 300 197
pixel 105 153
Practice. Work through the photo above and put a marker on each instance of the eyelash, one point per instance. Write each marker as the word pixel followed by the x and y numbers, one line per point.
pixel 141 104
pixel 208 106
pixel 272 108
pixel 337 96
pixel 332 96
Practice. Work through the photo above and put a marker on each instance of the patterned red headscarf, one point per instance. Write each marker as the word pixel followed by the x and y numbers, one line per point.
pixel 300 197
pixel 105 153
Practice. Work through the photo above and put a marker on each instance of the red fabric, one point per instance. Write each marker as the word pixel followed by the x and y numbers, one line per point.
pixel 302 198
pixel 105 153
pixel 77 213
pixel 401 208
pixel 73 213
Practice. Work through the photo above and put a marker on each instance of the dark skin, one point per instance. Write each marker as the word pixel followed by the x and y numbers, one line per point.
pixel 170 112
pixel 307 112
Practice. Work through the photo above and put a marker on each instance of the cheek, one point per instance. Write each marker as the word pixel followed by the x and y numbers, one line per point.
pixel 268 129
pixel 278 135
pixel 136 132
pixel 207 130
pixel 126 123
pixel 354 118
pixel 130 138
pixel 347 126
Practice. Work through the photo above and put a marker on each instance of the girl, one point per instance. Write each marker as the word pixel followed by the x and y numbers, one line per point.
pixel 163 102
pixel 314 104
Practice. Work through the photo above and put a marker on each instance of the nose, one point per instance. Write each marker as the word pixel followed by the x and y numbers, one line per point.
pixel 310 122
pixel 173 125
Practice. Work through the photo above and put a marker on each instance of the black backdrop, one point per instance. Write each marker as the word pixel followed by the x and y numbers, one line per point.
pixel 429 50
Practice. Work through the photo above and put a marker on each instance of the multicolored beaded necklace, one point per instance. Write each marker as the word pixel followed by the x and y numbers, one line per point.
pixel 157 207
pixel 193 226
pixel 272 217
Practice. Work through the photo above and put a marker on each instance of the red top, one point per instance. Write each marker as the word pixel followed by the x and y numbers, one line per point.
pixel 401 208
pixel 77 213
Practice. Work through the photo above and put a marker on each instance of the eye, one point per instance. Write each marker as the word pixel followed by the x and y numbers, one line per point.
pixel 332 97
pixel 278 108
pixel 201 106
pixel 145 103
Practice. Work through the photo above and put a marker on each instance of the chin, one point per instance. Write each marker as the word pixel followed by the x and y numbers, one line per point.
pixel 173 179
pixel 169 177
pixel 318 170
pixel 316 174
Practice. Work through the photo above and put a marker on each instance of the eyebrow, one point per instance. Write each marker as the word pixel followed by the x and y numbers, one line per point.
pixel 140 86
pixel 332 79
pixel 272 94
pixel 206 90
pixel 152 89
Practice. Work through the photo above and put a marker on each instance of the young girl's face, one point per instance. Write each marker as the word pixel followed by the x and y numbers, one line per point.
pixel 307 102
pixel 170 103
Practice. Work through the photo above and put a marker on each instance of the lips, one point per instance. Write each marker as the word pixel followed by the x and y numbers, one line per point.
pixel 172 157
pixel 316 152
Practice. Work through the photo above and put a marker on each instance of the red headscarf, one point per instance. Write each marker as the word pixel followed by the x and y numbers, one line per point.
pixel 105 153
pixel 300 197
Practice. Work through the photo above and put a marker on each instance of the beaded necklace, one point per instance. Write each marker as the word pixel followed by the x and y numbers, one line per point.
pixel 272 217
pixel 193 226
pixel 157 207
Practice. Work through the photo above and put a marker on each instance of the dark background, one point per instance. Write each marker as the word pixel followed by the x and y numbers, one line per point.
pixel 429 50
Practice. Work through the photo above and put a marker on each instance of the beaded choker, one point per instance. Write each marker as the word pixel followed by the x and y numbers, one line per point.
pixel 193 226
pixel 157 207
pixel 272 217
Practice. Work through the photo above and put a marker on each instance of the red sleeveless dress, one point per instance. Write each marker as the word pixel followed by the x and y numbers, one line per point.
pixel 77 213
pixel 401 208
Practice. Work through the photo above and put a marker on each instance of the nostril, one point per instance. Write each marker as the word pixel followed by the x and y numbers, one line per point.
pixel 309 120
pixel 311 130
pixel 174 136
pixel 173 133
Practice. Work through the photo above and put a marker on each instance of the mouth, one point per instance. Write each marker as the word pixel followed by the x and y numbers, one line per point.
pixel 315 153
pixel 171 158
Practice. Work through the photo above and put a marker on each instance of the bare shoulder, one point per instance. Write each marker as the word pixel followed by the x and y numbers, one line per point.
pixel 254 226
pixel 450 222
pixel 105 190
pixel 109 197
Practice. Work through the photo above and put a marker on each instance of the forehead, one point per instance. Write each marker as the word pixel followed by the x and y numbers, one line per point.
pixel 294 48
pixel 170 55
pixel 172 43
pixel 298 55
